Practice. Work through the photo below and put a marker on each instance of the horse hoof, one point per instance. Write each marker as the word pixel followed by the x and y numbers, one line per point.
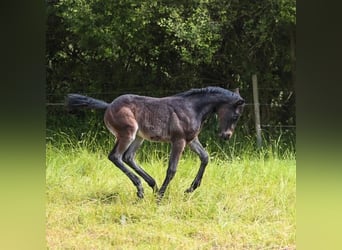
pixel 155 189
pixel 189 190
pixel 159 197
pixel 140 194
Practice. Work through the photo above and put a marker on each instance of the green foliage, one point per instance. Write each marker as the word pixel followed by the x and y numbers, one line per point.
pixel 196 36
pixel 107 48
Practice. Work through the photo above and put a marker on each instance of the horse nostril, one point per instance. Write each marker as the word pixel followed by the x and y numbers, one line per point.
pixel 226 135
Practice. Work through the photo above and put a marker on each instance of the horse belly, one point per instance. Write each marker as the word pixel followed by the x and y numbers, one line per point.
pixel 154 132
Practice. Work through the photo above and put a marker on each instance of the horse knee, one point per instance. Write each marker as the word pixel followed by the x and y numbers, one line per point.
pixel 171 172
pixel 205 158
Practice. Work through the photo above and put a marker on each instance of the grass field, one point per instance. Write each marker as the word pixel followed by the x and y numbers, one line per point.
pixel 244 202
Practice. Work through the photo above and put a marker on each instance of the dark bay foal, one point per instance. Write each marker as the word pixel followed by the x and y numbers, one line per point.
pixel 175 119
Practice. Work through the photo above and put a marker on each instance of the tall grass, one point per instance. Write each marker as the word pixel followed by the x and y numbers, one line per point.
pixel 246 199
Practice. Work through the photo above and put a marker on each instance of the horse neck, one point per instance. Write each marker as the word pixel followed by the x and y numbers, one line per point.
pixel 205 106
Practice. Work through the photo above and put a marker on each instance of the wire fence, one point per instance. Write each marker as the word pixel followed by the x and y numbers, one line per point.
pixel 247 104
pixel 264 126
pixel 273 126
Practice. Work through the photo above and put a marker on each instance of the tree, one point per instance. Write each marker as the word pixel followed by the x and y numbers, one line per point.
pixel 106 48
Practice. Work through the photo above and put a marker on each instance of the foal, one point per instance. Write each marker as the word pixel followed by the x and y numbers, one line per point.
pixel 175 119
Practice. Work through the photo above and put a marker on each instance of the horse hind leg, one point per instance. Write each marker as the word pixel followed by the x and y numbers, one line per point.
pixel 128 158
pixel 115 156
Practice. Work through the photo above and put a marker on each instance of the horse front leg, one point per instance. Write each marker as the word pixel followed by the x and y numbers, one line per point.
pixel 177 148
pixel 197 147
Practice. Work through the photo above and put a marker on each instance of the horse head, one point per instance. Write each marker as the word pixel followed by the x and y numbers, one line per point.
pixel 228 115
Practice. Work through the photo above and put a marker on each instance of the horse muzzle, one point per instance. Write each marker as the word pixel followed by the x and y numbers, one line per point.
pixel 226 135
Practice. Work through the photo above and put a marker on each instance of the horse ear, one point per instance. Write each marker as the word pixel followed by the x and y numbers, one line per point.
pixel 236 91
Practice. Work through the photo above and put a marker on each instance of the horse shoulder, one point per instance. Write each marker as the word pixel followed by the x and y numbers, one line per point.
pixel 184 121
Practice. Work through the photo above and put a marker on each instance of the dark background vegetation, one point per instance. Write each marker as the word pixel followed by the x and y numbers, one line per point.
pixel 105 48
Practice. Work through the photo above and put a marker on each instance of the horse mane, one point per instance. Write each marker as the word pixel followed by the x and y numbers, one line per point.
pixel 206 90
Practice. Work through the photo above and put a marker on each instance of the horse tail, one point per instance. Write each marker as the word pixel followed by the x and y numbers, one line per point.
pixel 74 101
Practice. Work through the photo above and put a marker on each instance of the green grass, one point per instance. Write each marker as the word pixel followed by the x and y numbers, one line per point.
pixel 245 202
